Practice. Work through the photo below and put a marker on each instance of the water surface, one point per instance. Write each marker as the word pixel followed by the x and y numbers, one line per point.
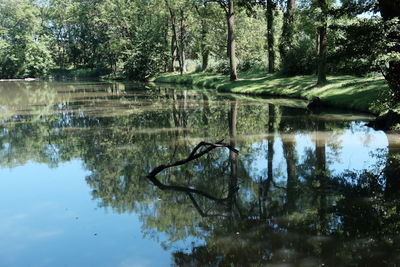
pixel 306 188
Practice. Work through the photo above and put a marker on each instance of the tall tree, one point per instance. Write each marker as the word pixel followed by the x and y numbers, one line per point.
pixel 270 8
pixel 287 28
pixel 390 11
pixel 271 5
pixel 202 10
pixel 229 8
pixel 231 40
pixel 179 31
pixel 322 43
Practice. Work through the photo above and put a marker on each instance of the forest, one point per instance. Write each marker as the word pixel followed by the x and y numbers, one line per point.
pixel 140 39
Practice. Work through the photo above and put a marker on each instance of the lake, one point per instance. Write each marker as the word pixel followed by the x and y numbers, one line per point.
pixel 306 188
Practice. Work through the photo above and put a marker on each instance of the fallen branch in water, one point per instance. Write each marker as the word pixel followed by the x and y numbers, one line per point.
pixel 195 154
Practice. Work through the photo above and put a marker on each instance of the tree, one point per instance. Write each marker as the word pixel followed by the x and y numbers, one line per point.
pixel 271 5
pixel 24 48
pixel 322 43
pixel 204 13
pixel 390 11
pixel 230 16
pixel 288 30
pixel 178 19
pixel 229 8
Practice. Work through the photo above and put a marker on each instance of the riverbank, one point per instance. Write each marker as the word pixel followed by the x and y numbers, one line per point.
pixel 20 80
pixel 347 92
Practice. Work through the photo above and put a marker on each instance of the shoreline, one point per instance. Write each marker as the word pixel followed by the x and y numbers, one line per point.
pixel 20 80
pixel 363 94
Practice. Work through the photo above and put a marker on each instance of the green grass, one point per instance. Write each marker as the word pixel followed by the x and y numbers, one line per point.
pixel 348 92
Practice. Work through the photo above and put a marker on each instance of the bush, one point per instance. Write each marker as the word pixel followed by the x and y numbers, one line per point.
pixel 32 59
pixel 83 73
pixel 301 58
pixel 220 66
pixel 250 64
pixel 144 62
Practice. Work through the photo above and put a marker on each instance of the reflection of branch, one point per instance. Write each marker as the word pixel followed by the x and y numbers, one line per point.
pixel 200 211
pixel 277 186
pixel 194 155
pixel 184 189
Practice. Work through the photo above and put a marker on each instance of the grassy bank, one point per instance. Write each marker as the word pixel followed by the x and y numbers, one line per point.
pixel 348 92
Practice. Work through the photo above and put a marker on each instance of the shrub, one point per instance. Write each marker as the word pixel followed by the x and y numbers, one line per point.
pixel 220 66
pixel 300 59
pixel 250 64
pixel 145 61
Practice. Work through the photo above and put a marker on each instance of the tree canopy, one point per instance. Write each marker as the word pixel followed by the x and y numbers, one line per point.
pixel 139 39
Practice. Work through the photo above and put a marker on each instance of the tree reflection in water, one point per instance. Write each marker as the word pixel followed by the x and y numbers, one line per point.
pixel 294 204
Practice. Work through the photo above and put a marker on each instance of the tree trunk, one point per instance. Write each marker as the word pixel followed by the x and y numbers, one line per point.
pixel 173 53
pixel 392 169
pixel 271 120
pixel 265 185
pixel 233 181
pixel 204 47
pixel 320 154
pixel 287 28
pixel 204 59
pixel 390 9
pixel 289 151
pixel 270 36
pixel 323 42
pixel 182 36
pixel 230 16
pixel 206 113
pixel 175 49
pixel 166 63
pixel 318 49
pixel 205 51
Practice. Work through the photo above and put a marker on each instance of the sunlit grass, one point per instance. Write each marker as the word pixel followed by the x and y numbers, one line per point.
pixel 344 91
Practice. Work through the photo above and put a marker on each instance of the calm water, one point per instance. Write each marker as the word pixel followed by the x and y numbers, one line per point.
pixel 305 190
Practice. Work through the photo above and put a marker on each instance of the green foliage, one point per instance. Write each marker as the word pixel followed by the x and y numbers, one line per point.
pixel 251 63
pixel 301 58
pixel 135 39
pixel 219 66
pixel 144 62
pixel 146 55
pixel 76 73
pixel 357 45
pixel 38 60
pixel 23 49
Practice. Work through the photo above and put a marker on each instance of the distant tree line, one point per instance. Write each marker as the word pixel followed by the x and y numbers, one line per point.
pixel 138 39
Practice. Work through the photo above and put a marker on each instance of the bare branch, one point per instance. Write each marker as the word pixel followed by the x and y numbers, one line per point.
pixel 194 155
pixel 208 147
pixel 200 211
